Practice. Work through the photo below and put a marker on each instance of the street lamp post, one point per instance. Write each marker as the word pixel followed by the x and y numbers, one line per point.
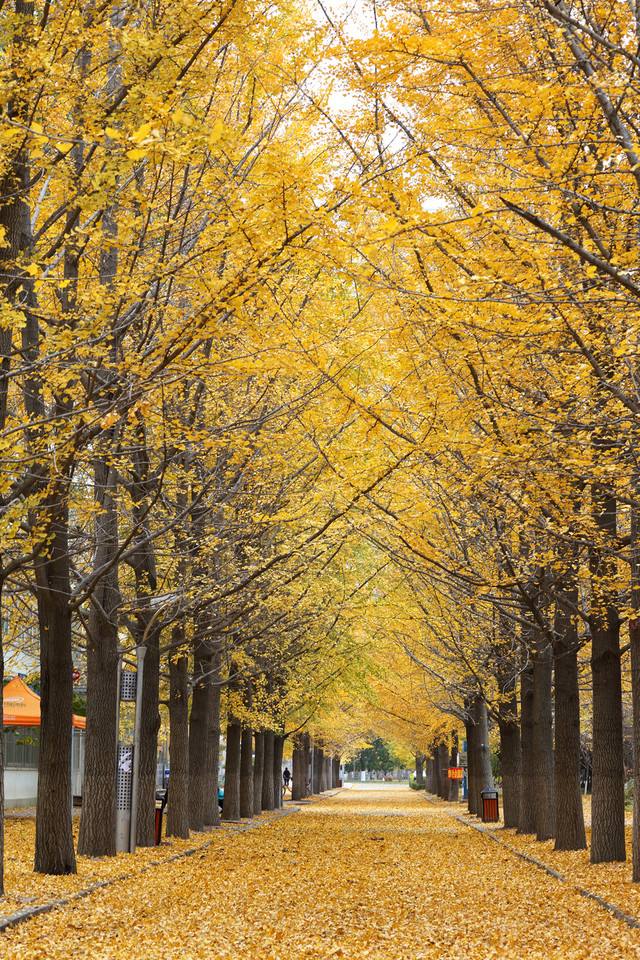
pixel 137 730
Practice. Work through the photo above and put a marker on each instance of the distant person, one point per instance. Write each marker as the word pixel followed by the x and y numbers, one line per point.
pixel 286 778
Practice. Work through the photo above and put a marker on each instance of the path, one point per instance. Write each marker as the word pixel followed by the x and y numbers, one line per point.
pixel 372 872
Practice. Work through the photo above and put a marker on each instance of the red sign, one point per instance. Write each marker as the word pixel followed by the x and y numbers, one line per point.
pixel 455 773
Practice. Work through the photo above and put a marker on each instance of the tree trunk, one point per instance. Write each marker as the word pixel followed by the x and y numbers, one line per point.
pixel 509 750
pixel 431 775
pixel 246 773
pixel 420 769
pixel 336 769
pixel 268 799
pixel 527 816
pixel 570 832
pixel 443 764
pixel 199 735
pixel 318 758
pixel 454 785
pixel 436 771
pixel 307 764
pixel 1 745
pixel 231 806
pixel 470 731
pixel 510 766
pixel 146 823
pixel 54 838
pixel 482 755
pixel 323 773
pixel 543 762
pixel 634 639
pixel 147 634
pixel 97 837
pixel 212 756
pixel 299 771
pixel 278 747
pixel 258 773
pixel 607 801
pixel 178 799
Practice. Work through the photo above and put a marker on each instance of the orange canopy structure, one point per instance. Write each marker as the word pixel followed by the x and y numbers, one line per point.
pixel 21 706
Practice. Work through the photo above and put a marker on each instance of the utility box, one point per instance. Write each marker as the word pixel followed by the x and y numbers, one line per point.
pixel 124 786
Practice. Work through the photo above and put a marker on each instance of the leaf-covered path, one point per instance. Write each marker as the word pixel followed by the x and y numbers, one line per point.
pixel 369 873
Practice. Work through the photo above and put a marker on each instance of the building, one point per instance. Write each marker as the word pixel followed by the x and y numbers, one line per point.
pixel 21 716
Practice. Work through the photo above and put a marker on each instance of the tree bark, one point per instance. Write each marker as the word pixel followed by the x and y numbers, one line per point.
pixel 443 764
pixel 323 773
pixel 146 823
pixel 336 770
pixel 543 762
pixel 634 639
pixel 454 785
pixel 15 238
pixel 569 817
pixel 509 729
pixel 97 837
pixel 268 799
pixel 510 760
pixel 178 799
pixel 483 776
pixel 471 757
pixel 607 801
pixel 329 762
pixel 420 769
pixel 278 747
pixel 199 734
pixel 258 773
pixel 231 806
pixel 147 634
pixel 54 838
pixel 318 758
pixel 527 816
pixel 299 771
pixel 307 764
pixel 436 771
pixel 246 773
pixel 212 756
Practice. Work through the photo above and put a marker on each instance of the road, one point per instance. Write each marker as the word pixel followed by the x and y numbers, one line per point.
pixel 375 871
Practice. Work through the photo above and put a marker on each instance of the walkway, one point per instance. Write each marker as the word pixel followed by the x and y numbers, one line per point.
pixel 373 872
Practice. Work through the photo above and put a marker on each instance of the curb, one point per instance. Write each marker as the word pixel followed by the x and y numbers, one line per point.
pixel 22 916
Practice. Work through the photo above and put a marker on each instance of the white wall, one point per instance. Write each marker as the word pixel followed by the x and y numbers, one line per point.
pixel 20 787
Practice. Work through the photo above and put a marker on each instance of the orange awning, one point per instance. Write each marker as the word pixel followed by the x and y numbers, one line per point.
pixel 21 706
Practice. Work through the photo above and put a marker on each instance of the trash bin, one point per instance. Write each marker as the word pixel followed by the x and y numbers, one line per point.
pixel 161 802
pixel 490 811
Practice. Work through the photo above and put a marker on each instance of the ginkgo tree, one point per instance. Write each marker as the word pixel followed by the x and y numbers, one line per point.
pixel 317 382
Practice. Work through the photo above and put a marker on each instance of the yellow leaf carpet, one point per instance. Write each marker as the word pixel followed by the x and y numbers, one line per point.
pixel 372 872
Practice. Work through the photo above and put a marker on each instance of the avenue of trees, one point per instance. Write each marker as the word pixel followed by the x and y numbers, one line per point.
pixel 318 381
